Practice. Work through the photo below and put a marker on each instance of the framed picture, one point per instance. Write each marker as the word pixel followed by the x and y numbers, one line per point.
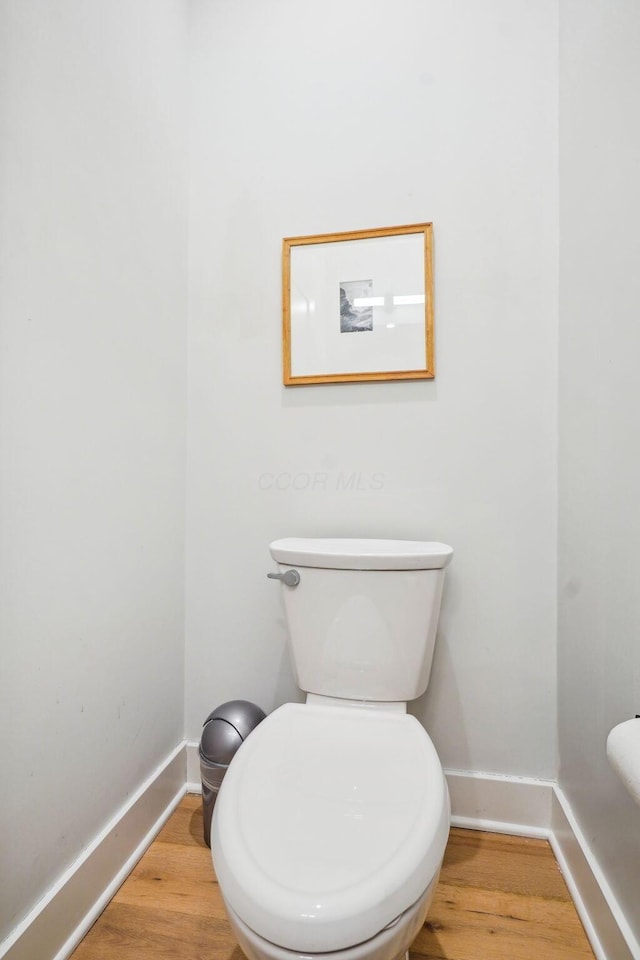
pixel 358 306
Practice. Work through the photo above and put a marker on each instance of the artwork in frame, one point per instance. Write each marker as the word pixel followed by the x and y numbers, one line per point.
pixel 358 306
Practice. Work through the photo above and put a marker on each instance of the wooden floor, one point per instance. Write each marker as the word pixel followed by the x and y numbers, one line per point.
pixel 499 898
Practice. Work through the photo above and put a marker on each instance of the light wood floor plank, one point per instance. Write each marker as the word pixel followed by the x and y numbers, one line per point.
pixel 175 862
pixel 499 898
pixel 466 922
pixel 496 861
pixel 185 826
pixel 126 932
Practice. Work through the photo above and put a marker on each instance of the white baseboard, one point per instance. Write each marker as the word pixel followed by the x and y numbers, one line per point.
pixel 55 926
pixel 604 922
pixel 484 801
pixel 194 783
pixel 479 801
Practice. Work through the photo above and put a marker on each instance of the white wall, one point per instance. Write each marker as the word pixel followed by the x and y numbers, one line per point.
pixel 308 118
pixel 599 520
pixel 318 117
pixel 93 347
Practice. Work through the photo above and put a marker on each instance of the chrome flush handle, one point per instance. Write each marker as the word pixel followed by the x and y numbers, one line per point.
pixel 290 578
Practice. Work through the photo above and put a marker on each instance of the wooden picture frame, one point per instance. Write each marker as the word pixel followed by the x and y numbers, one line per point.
pixel 358 306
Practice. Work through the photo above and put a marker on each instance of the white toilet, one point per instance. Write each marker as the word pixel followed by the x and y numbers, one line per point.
pixel 331 823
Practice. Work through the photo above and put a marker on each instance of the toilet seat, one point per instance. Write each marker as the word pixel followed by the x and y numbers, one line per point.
pixel 330 823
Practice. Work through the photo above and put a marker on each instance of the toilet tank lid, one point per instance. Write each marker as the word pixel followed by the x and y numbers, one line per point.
pixel 347 554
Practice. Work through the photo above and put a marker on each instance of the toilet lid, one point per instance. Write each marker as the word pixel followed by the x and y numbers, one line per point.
pixel 330 822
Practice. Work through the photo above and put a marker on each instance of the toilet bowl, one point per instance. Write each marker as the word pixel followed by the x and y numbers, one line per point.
pixel 330 832
pixel 331 824
pixel 392 942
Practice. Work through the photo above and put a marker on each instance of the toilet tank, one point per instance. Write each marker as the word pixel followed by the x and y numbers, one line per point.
pixel 363 618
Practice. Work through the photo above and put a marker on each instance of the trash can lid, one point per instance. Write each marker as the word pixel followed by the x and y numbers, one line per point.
pixel 226 727
pixel 241 714
pixel 219 741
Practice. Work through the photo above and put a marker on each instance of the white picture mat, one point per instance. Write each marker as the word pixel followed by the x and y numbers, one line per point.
pixel 396 265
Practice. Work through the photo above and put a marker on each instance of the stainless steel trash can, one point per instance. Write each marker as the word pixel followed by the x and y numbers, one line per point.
pixel 223 732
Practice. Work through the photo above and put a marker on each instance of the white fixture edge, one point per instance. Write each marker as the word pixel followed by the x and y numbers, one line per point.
pixel 58 922
pixel 521 806
pixel 623 754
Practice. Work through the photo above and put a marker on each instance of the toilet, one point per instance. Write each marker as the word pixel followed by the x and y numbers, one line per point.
pixel 331 823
